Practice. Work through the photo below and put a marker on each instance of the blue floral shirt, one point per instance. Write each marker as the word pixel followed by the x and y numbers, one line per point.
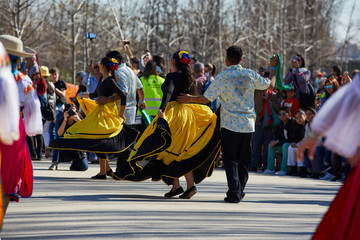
pixel 129 83
pixel 235 88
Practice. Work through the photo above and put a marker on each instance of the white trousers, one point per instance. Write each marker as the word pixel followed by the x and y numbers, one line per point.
pixel 291 161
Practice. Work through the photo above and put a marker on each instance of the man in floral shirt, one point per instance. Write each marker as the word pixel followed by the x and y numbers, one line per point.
pixel 235 87
pixel 130 84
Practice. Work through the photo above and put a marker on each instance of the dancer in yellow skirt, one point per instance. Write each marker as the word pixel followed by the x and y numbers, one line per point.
pixel 102 130
pixel 182 140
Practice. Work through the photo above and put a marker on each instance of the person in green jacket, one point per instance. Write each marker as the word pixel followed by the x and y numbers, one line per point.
pixel 152 82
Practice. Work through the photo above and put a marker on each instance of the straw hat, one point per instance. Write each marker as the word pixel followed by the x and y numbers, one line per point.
pixel 14 46
pixel 44 71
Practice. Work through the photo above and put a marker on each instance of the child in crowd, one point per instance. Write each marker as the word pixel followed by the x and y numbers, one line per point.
pixel 291 101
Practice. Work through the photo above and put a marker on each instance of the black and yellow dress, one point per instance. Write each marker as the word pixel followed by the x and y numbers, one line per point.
pixel 102 130
pixel 186 140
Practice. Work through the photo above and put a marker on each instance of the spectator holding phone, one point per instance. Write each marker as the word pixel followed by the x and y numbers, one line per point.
pixel 299 77
pixel 145 58
pixel 78 158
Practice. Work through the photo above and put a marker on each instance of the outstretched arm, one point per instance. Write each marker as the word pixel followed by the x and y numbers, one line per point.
pixel 187 98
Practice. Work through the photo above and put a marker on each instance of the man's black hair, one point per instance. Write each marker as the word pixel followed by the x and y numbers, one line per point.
pixel 286 109
pixel 234 54
pixel 115 54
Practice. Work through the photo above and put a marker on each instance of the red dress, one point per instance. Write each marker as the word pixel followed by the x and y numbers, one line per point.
pixel 342 220
pixel 16 167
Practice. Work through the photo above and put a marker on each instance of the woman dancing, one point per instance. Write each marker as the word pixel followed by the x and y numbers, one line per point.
pixel 102 130
pixel 182 140
pixel 338 122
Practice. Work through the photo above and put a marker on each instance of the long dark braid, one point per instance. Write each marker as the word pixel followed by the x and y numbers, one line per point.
pixel 186 72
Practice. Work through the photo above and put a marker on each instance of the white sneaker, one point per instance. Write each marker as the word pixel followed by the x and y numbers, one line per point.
pixel 281 173
pixel 328 176
pixel 53 166
pixel 270 172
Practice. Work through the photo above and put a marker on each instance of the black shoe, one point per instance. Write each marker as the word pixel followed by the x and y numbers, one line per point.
pixel 108 173
pixel 189 193
pixel 177 191
pixel 228 200
pixel 99 176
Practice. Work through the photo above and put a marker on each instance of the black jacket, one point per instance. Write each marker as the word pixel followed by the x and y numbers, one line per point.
pixel 295 132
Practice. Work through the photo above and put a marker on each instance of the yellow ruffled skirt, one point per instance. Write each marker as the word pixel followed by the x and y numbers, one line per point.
pixel 101 131
pixel 188 141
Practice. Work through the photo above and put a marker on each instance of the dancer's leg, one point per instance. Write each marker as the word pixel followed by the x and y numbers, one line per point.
pixel 176 184
pixel 6 203
pixel 104 165
pixel 189 180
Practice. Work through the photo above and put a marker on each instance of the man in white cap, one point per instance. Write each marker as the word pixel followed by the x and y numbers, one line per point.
pixel 16 162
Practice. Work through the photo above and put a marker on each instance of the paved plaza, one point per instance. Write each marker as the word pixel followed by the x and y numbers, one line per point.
pixel 69 205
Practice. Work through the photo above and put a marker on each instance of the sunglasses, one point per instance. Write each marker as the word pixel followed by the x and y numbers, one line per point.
pixel 327 87
pixel 96 66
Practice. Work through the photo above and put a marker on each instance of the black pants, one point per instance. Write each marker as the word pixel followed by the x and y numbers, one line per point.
pixel 35 144
pixel 236 154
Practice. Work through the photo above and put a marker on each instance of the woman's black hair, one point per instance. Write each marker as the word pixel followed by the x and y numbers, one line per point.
pixel 106 63
pixel 300 111
pixel 311 109
pixel 150 69
pixel 302 60
pixel 117 55
pixel 160 61
pixel 337 69
pixel 186 72
pixel 212 69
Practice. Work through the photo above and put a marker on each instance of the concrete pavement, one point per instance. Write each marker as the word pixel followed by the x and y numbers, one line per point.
pixel 69 205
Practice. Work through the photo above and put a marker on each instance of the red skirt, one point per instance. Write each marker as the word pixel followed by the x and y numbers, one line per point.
pixel 16 167
pixel 342 220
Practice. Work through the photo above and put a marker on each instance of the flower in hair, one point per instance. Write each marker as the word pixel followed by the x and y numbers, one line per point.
pixel 114 64
pixel 184 57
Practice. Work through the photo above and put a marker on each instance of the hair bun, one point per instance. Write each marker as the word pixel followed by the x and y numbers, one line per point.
pixel 114 64
pixel 184 57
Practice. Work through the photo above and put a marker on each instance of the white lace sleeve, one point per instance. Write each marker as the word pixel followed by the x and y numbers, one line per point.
pixel 9 102
pixel 31 112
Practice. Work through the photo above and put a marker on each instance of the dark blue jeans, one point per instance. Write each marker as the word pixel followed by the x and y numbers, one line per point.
pixel 236 155
pixel 261 137
pixel 56 127
pixel 322 153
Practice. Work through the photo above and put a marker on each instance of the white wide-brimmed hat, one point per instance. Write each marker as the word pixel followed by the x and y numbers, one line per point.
pixel 14 46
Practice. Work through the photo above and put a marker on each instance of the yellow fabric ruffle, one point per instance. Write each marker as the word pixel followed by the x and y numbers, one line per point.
pixel 101 121
pixel 191 126
pixel 86 104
